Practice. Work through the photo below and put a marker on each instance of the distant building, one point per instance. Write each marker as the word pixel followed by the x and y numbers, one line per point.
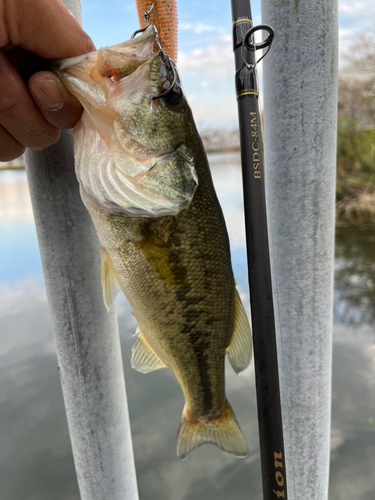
pixel 220 140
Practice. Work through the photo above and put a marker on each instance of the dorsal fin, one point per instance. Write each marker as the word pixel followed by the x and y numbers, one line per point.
pixel 240 348
pixel 109 282
pixel 144 358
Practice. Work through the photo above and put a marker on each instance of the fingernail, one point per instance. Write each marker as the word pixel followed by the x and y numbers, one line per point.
pixel 47 93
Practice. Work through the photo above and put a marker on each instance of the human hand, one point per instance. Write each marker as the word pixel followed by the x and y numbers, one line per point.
pixel 34 104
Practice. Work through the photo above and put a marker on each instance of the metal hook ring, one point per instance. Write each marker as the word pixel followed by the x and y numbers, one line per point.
pixel 262 45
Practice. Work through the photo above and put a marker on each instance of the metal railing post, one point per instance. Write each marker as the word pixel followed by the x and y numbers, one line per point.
pixel 300 117
pixel 87 340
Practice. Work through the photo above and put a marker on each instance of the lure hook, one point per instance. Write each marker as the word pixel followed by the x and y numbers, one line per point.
pixel 173 80
pixel 146 15
pixel 246 42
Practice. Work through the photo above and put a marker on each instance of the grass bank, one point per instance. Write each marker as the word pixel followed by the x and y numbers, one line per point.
pixel 356 145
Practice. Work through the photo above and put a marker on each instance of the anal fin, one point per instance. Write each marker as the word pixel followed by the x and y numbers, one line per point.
pixel 144 358
pixel 240 348
pixel 109 283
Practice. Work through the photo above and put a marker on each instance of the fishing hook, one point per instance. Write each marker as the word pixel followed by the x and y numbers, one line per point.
pixel 173 81
pixel 146 15
pixel 257 46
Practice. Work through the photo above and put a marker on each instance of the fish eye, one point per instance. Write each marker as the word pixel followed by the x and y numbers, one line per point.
pixel 174 96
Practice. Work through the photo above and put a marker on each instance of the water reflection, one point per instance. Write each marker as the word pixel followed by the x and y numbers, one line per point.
pixel 15 199
pixel 33 430
pixel 354 276
pixel 19 253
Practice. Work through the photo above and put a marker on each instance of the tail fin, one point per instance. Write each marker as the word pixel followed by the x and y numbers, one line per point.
pixel 223 431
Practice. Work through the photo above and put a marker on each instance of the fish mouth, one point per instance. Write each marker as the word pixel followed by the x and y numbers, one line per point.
pixel 111 67
pixel 120 61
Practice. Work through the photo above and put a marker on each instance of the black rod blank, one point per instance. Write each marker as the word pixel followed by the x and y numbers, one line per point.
pixel 262 310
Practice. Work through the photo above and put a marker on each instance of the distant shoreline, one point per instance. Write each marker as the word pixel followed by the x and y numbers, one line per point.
pixel 356 211
pixel 17 164
pixel 20 165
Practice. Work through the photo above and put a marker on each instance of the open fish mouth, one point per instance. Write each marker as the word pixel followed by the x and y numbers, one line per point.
pixel 132 142
pixel 109 66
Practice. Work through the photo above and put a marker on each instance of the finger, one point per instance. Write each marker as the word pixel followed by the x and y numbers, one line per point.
pixel 46 29
pixel 60 108
pixel 10 149
pixel 19 114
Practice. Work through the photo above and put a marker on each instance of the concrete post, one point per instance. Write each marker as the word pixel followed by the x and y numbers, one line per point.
pixel 87 340
pixel 300 110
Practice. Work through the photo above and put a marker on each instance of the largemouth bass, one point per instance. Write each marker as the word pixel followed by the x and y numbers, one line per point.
pixel 145 180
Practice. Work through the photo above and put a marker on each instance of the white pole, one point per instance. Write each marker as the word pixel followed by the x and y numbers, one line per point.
pixel 300 110
pixel 87 340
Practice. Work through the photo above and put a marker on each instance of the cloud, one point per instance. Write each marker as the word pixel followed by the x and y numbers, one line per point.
pixel 14 295
pixel 26 328
pixel 208 76
pixel 346 38
pixel 200 28
pixel 350 45
pixel 215 61
pixel 360 7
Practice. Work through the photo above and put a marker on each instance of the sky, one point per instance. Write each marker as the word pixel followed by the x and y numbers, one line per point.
pixel 205 57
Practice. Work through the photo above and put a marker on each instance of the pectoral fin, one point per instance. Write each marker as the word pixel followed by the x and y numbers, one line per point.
pixel 109 283
pixel 240 348
pixel 144 358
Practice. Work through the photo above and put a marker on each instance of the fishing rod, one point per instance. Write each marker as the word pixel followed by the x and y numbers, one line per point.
pixel 261 296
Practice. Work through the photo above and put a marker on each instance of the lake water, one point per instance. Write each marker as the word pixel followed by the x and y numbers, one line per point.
pixel 35 459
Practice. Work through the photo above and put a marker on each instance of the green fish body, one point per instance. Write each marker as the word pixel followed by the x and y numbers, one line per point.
pixel 150 195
